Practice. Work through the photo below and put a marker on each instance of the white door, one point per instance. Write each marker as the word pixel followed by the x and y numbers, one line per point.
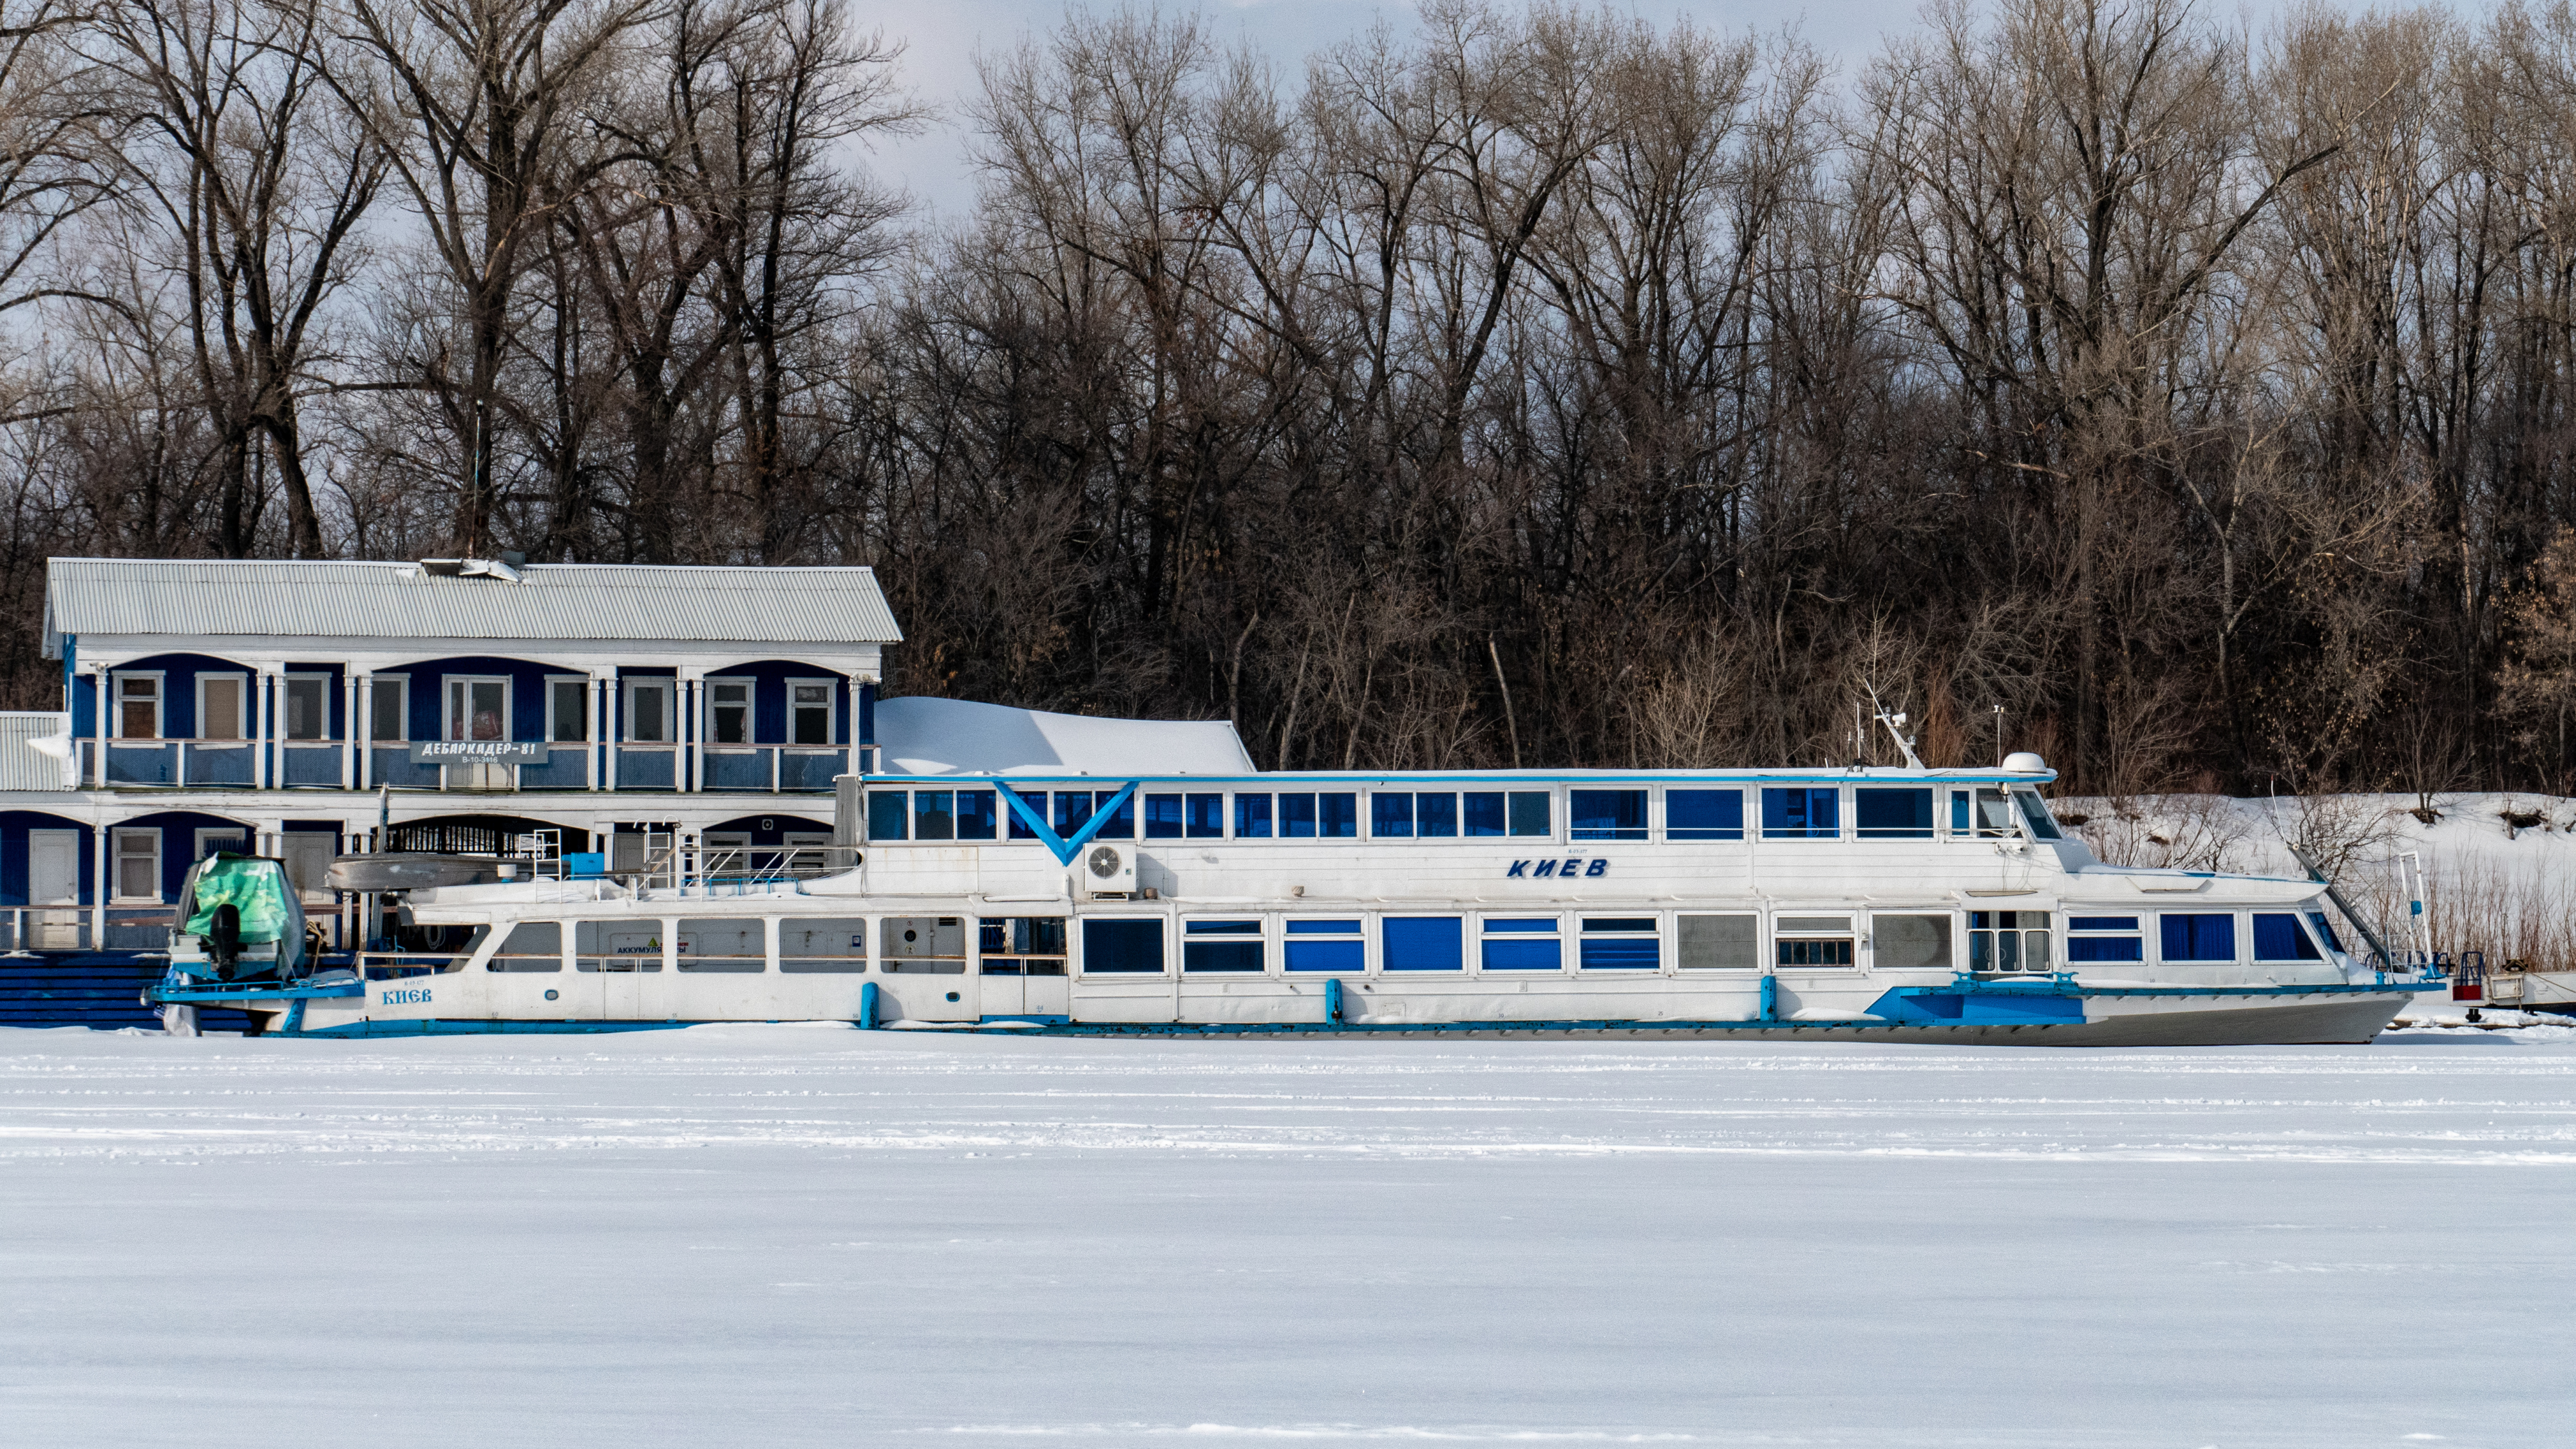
pixel 53 879
pixel 308 855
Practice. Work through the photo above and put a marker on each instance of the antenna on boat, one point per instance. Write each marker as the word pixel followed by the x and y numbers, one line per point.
pixel 1896 729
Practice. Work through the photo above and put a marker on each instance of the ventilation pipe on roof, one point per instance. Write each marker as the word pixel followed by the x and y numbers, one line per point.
pixel 507 567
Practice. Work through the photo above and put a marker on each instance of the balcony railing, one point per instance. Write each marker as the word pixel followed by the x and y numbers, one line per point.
pixel 775 769
pixel 316 764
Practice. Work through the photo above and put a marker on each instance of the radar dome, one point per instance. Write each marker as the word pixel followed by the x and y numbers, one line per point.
pixel 2023 762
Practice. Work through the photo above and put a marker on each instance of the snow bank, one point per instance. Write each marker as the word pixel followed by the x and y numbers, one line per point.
pixel 751 1235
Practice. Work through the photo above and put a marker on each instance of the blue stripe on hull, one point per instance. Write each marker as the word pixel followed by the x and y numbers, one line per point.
pixel 435 1026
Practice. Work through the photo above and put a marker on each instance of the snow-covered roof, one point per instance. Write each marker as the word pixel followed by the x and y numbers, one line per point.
pixel 920 736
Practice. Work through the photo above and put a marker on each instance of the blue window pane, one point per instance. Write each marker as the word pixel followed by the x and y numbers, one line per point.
pixel 1338 816
pixel 1072 811
pixel 1618 923
pixel 1959 811
pixel 1892 814
pixel 1704 815
pixel 1221 928
pixel 975 820
pixel 1606 814
pixel 1252 817
pixel 1435 815
pixel 1162 817
pixel 1220 955
pixel 1204 816
pixel 887 812
pixel 1391 816
pixel 1801 812
pixel 2104 948
pixel 1323 928
pixel 1529 812
pixel 1132 947
pixel 933 815
pixel 1121 824
pixel 1036 800
pixel 1423 943
pixel 2102 923
pixel 1545 955
pixel 1543 925
pixel 2278 938
pixel 1326 955
pixel 1485 814
pixel 2198 938
pixel 1638 953
pixel 2325 929
pixel 1297 816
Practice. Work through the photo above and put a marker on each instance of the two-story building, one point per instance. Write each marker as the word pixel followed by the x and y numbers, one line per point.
pixel 308 709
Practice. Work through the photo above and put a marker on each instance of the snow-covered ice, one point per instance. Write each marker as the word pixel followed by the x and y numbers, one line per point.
pixel 790 1236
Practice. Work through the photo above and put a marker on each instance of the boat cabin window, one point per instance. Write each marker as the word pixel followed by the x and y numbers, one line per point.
pixel 1980 812
pixel 888 812
pixel 2103 938
pixel 2036 815
pixel 1910 943
pixel 1704 815
pixel 1178 817
pixel 734 945
pixel 138 706
pixel 2009 941
pixel 1397 816
pixel 1021 945
pixel 530 946
pixel 1606 814
pixel 2196 937
pixel 1221 946
pixel 620 946
pixel 308 707
pixel 1073 810
pixel 1326 945
pixel 977 817
pixel 1801 812
pixel 1125 947
pixel 1422 943
pixel 1512 812
pixel 923 945
pixel 1892 814
pixel 1622 943
pixel 1326 816
pixel 823 944
pixel 1812 940
pixel 934 815
pixel 1252 818
pixel 2325 930
pixel 1718 943
pixel 1521 943
pixel 2277 937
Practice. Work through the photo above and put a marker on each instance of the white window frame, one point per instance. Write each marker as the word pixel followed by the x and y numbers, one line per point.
pixel 160 701
pixel 286 708
pixel 401 685
pixel 447 684
pixel 750 710
pixel 117 857
pixel 669 688
pixel 241 702
pixel 205 833
pixel 553 683
pixel 831 713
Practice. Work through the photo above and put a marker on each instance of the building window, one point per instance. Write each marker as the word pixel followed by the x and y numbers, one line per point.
pixel 1606 814
pixel 1703 815
pixel 308 706
pixel 138 865
pixel 809 711
pixel 220 707
pixel 1802 813
pixel 648 711
pixel 729 711
pixel 1221 946
pixel 1320 945
pixel 478 708
pixel 389 709
pixel 567 708
pixel 138 706
pixel 221 838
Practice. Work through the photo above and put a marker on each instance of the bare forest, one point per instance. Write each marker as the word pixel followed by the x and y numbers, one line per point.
pixel 1541 386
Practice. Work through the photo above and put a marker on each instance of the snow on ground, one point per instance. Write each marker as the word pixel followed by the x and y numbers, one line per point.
pixel 792 1236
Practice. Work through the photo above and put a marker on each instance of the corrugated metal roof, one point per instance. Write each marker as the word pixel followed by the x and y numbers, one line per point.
pixel 22 767
pixel 280 599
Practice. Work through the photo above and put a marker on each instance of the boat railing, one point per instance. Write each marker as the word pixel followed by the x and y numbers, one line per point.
pixel 684 863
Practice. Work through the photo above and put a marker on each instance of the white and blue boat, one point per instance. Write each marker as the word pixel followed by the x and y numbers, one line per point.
pixel 1006 870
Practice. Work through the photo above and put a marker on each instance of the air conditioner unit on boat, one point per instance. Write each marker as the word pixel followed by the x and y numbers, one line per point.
pixel 1106 871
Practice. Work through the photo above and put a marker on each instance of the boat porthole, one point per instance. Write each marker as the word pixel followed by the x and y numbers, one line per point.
pixel 912 935
pixel 952 996
pixel 550 996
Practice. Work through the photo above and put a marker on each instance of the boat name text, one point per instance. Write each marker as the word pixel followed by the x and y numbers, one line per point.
pixel 1532 869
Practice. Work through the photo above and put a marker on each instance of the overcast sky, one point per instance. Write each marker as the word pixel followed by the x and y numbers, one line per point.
pixel 942 38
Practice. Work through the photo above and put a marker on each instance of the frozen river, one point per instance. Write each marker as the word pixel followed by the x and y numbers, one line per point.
pixel 796 1236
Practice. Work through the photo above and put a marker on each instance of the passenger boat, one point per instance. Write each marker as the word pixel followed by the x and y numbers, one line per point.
pixel 1871 904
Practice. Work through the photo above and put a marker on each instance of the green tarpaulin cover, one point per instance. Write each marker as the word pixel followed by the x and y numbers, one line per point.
pixel 257 888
